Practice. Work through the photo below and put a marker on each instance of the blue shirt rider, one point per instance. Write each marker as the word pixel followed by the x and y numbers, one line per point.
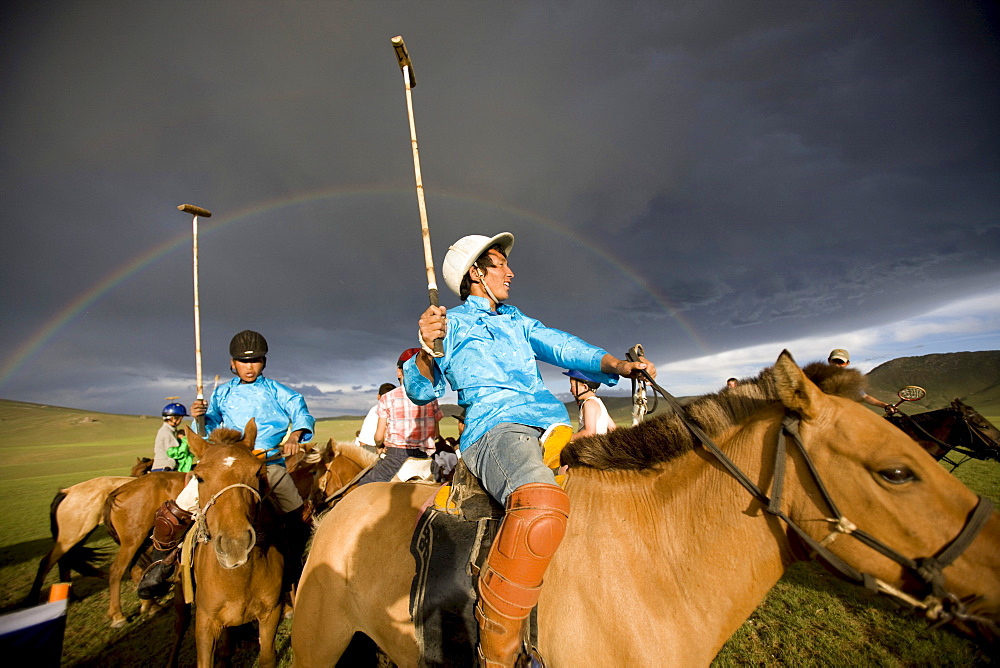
pixel 490 353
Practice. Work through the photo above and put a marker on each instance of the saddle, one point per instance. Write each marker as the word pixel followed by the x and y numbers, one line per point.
pixel 450 543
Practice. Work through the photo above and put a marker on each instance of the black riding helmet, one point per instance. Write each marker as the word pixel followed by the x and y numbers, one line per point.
pixel 247 345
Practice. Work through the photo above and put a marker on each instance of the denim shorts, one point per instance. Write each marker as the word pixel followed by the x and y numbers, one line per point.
pixel 507 456
pixel 389 465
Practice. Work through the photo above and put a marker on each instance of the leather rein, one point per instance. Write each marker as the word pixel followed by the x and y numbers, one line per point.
pixel 938 605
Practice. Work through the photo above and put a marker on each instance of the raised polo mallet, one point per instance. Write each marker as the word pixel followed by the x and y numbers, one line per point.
pixel 409 81
pixel 196 211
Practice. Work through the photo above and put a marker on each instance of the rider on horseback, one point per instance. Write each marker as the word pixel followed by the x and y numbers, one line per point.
pixel 275 408
pixel 167 438
pixel 842 358
pixel 490 350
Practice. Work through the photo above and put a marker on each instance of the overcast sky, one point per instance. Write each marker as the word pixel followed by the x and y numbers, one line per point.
pixel 714 180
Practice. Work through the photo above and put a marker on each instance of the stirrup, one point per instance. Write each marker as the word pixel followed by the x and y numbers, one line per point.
pixel 529 658
pixel 156 579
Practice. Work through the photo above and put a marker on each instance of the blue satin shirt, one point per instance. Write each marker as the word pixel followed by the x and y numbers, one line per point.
pixel 490 360
pixel 274 407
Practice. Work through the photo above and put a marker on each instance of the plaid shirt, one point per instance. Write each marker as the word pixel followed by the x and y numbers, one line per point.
pixel 407 425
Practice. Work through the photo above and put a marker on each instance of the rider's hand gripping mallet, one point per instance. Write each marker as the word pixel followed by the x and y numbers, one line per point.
pixel 409 81
pixel 196 211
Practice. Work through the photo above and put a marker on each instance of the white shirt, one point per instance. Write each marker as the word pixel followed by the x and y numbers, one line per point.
pixel 368 427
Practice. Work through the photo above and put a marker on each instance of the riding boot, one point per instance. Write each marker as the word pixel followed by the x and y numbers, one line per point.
pixel 169 527
pixel 511 578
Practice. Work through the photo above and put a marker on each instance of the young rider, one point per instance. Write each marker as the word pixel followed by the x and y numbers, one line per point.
pixel 167 438
pixel 594 417
pixel 490 353
pixel 276 409
pixel 403 428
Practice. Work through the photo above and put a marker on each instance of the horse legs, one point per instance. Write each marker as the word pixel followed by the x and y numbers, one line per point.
pixel 181 622
pixel 267 629
pixel 44 566
pixel 207 632
pixel 126 553
pixel 321 631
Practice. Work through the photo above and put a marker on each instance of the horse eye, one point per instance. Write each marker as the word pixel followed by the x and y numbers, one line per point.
pixel 898 475
pixel 199 478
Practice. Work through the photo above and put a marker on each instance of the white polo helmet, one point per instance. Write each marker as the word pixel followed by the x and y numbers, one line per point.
pixel 464 252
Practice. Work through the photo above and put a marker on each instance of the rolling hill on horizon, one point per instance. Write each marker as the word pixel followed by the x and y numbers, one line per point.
pixel 973 377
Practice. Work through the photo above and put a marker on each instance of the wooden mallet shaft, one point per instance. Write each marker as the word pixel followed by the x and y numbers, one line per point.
pixel 409 81
pixel 195 212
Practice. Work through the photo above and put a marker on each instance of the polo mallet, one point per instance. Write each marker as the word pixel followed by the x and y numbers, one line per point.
pixel 196 211
pixel 409 81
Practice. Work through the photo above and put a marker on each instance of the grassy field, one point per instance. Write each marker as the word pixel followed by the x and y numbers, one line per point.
pixel 810 618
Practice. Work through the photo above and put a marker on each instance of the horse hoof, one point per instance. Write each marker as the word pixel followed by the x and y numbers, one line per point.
pixel 118 623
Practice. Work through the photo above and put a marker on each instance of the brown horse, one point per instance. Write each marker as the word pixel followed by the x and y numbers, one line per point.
pixel 129 512
pixel 237 566
pixel 344 462
pixel 952 435
pixel 74 514
pixel 132 510
pixel 306 469
pixel 662 535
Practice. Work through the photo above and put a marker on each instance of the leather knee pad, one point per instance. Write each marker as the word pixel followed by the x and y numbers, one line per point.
pixel 531 531
pixel 169 525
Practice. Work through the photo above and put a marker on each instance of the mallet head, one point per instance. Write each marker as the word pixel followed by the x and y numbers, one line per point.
pixel 403 56
pixel 195 210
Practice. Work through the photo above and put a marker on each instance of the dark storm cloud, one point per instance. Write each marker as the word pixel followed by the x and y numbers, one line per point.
pixel 701 177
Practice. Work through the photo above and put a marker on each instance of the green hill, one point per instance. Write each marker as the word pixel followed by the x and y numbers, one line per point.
pixel 973 377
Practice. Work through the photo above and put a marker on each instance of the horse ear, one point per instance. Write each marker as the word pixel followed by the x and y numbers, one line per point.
pixel 795 390
pixel 195 442
pixel 250 433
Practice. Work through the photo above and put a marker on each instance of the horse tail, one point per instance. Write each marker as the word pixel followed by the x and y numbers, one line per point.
pixel 53 522
pixel 84 559
pixel 109 505
pixel 80 558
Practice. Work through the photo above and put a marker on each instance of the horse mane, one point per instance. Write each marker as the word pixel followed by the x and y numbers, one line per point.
pixel 665 437
pixel 355 453
pixel 225 436
pixel 316 453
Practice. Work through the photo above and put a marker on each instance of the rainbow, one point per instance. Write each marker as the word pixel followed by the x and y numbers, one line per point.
pixel 27 350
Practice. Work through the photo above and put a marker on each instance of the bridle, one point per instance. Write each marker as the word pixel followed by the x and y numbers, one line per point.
pixel 202 534
pixel 199 533
pixel 939 605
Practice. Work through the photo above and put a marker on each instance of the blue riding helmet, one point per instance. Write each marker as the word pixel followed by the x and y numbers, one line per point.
pixel 174 409
pixel 579 375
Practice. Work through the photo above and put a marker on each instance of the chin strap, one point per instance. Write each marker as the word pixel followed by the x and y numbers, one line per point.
pixel 482 282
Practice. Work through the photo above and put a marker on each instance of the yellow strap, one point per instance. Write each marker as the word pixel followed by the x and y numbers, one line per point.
pixel 187 551
pixel 558 437
pixel 442 502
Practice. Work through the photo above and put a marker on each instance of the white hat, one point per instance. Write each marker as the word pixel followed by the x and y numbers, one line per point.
pixel 839 354
pixel 464 252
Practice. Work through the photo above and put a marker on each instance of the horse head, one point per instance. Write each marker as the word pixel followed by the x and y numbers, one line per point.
pixel 231 484
pixel 983 435
pixel 142 466
pixel 860 475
